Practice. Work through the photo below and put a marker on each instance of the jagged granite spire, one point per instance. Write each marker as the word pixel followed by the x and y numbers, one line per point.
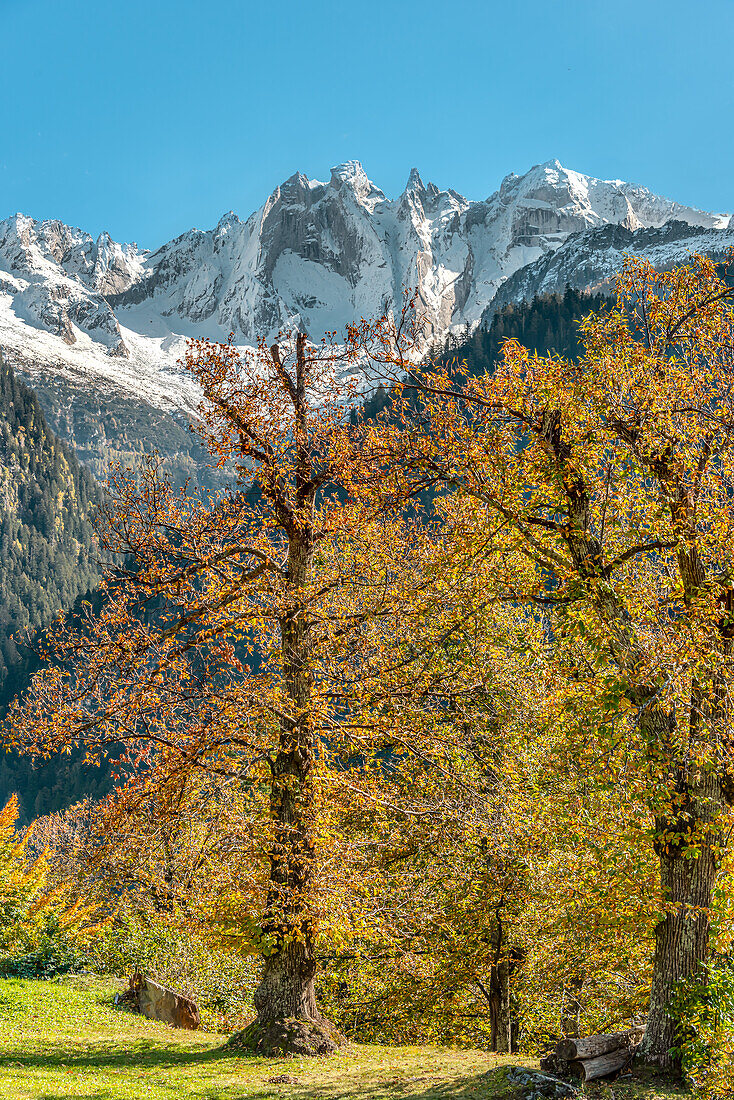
pixel 316 255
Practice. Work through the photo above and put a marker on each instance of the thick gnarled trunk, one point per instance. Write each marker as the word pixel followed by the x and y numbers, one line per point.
pixel 288 1019
pixel 688 866
pixel 287 984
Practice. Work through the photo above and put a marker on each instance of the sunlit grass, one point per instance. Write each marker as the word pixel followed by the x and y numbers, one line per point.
pixel 65 1039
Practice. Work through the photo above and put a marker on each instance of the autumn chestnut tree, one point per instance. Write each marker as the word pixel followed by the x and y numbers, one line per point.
pixel 615 477
pixel 218 646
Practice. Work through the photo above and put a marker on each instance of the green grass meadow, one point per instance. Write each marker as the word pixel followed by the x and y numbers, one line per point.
pixel 64 1038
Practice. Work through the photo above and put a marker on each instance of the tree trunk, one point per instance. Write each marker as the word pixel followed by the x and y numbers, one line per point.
pixel 688 836
pixel 499 1007
pixel 688 866
pixel 287 985
pixel 288 1019
pixel 571 1007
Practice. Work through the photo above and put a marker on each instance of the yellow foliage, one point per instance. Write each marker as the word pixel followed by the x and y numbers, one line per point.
pixel 35 919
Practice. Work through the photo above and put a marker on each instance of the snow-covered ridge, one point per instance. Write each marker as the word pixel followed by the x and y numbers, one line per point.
pixel 590 260
pixel 316 255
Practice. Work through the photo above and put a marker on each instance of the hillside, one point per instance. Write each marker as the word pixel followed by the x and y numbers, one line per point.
pixel 105 427
pixel 590 260
pixel 47 540
pixel 49 558
pixel 546 324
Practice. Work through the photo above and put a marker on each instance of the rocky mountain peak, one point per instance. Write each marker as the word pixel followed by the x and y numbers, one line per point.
pixel 351 176
pixel 351 172
pixel 227 221
pixel 415 183
pixel 315 255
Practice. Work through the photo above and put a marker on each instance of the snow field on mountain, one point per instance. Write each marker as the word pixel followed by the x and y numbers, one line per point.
pixel 315 256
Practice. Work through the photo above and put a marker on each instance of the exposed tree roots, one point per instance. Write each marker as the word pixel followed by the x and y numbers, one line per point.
pixel 288 1035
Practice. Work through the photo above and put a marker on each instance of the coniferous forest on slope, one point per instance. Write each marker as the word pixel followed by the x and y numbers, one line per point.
pixel 50 559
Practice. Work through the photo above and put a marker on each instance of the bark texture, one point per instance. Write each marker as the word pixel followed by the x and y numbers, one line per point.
pixel 593 1046
pixel 499 1007
pixel 601 1066
pixel 687 877
pixel 288 1019
pixel 571 1009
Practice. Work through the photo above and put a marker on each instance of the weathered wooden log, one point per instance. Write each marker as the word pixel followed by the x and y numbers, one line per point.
pixel 593 1046
pixel 591 1068
pixel 558 1067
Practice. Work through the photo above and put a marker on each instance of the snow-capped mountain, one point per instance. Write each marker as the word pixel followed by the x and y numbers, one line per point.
pixel 58 276
pixel 316 255
pixel 591 259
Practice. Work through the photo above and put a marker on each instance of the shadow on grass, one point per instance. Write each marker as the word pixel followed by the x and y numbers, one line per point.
pixel 484 1086
pixel 462 1089
pixel 194 1056
pixel 101 1057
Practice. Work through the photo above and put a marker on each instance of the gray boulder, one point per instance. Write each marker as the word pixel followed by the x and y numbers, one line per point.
pixel 157 1002
pixel 536 1085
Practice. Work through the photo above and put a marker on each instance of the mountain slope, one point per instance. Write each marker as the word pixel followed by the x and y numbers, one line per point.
pixel 49 559
pixel 546 325
pixel 591 259
pixel 98 327
pixel 315 254
pixel 47 543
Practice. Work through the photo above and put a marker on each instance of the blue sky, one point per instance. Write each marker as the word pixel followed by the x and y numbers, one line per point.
pixel 145 117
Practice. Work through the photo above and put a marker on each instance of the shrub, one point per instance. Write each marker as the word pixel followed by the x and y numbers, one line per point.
pixel 42 932
pixel 173 952
pixel 704 1011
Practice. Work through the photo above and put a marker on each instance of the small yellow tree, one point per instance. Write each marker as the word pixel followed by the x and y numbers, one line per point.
pixel 41 929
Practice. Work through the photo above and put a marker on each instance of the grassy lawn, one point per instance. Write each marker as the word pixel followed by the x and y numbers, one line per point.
pixel 64 1039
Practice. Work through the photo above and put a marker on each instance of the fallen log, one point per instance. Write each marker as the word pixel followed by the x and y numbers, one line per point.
pixel 591 1068
pixel 596 1045
pixel 551 1063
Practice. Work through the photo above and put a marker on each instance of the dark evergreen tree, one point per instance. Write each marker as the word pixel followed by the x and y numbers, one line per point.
pixel 547 325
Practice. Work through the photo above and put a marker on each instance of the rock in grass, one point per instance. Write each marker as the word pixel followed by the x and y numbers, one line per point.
pixel 157 1002
pixel 535 1085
